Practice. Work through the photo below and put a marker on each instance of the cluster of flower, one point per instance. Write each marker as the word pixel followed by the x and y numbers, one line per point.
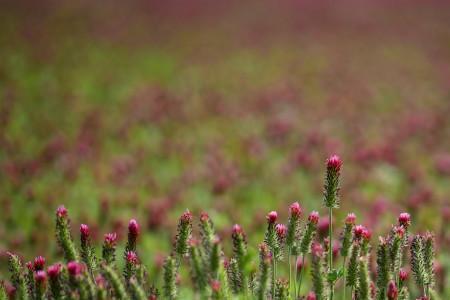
pixel 215 276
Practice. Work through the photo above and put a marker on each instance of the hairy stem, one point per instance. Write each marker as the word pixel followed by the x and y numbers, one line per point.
pixel 330 251
pixel 301 276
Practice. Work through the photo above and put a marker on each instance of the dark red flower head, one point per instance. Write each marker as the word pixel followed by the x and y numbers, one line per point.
pixel 215 285
pixel 404 219
pixel 61 212
pixel 53 271
pixel 29 266
pixel 237 229
pixel 40 276
pixel 350 219
pixel 74 268
pixel 300 264
pixel 84 230
pixel 366 234
pixel 281 230
pixel 132 257
pixel 403 274
pixel 204 217
pixel 313 217
pixel 311 296
pixel 392 291
pixel 272 217
pixel 39 263
pixel 316 249
pixel 359 231
pixel 334 163
pixel 111 239
pixel 186 217
pixel 295 210
pixel 133 227
pixel 399 231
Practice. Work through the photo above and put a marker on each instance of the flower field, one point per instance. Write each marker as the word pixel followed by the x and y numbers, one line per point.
pixel 236 137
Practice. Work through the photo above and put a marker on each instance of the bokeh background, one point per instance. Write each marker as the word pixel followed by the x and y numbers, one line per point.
pixel 121 109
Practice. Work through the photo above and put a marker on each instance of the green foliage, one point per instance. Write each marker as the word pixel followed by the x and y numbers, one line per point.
pixel 114 280
pixel 318 275
pixel 363 290
pixel 17 277
pixel 382 269
pixel 170 289
pixel 353 266
pixel 64 238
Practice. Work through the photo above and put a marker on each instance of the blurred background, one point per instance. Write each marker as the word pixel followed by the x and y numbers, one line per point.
pixel 121 109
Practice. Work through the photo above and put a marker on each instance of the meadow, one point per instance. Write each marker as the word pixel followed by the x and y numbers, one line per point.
pixel 143 110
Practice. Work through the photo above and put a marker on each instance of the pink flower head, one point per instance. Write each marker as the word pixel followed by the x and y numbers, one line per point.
pixel 403 274
pixel 392 291
pixel 204 217
pixel 100 281
pixel 334 163
pixel 350 219
pixel 84 230
pixel 300 264
pixel 336 248
pixel 39 263
pixel 311 296
pixel 40 276
pixel 295 210
pixel 61 212
pixel 399 231
pixel 111 239
pixel 132 257
pixel 237 229
pixel 215 285
pixel 29 266
pixel 366 234
pixel 281 230
pixel 359 231
pixel 313 217
pixel 74 268
pixel 186 217
pixel 323 226
pixel 54 270
pixel 404 219
pixel 316 249
pixel 226 263
pixel 133 227
pixel 272 217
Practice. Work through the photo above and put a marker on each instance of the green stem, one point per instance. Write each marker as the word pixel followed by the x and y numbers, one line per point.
pixel 274 271
pixel 301 276
pixel 330 251
pixel 295 275
pixel 344 277
pixel 290 269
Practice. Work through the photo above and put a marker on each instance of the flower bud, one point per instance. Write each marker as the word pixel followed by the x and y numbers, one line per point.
pixel 272 217
pixel 39 263
pixel 313 217
pixel 392 291
pixel 295 210
pixel 61 212
pixel 350 219
pixel 404 219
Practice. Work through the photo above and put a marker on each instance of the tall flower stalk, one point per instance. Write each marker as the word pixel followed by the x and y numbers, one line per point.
pixel 305 244
pixel 331 201
pixel 295 212
pixel 272 242
pixel 347 236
